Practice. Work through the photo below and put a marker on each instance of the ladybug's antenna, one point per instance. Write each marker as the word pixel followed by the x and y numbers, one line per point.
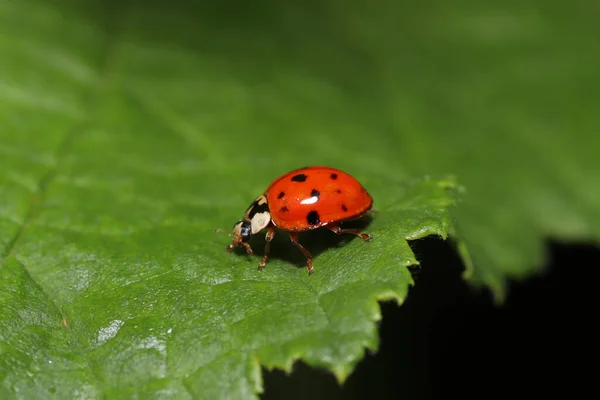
pixel 223 231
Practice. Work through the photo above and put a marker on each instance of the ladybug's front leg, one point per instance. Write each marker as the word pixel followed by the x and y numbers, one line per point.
pixel 240 243
pixel 294 239
pixel 268 238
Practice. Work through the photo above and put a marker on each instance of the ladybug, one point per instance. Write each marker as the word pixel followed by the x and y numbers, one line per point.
pixel 302 200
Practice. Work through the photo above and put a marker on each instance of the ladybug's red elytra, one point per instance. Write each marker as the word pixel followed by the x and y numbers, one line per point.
pixel 302 200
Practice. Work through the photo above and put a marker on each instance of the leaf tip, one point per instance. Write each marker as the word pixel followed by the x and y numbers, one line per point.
pixel 256 375
pixel 390 295
pixel 341 372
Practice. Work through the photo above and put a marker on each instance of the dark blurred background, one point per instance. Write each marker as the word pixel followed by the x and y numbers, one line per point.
pixel 540 343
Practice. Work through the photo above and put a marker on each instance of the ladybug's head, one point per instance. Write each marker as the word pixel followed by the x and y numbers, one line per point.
pixel 256 218
pixel 242 230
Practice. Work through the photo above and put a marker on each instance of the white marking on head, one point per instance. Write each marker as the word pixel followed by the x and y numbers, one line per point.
pixel 310 200
pixel 237 229
pixel 260 221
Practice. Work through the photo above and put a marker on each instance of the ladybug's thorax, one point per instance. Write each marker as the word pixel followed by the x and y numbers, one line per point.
pixel 256 218
pixel 258 214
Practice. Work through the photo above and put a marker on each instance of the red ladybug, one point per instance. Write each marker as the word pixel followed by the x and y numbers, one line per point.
pixel 303 200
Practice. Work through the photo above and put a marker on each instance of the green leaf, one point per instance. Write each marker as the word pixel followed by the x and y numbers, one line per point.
pixel 130 130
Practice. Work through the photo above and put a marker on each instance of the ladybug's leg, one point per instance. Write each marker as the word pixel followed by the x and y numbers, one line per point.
pixel 268 238
pixel 230 247
pixel 339 231
pixel 294 239
pixel 248 248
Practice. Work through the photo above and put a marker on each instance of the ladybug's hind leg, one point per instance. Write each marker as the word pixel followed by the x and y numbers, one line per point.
pixel 294 239
pixel 339 231
pixel 268 238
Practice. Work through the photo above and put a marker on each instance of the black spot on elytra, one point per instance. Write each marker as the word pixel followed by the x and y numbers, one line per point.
pixel 283 209
pixel 333 176
pixel 344 208
pixel 280 195
pixel 299 178
pixel 338 191
pixel 313 218
pixel 255 208
pixel 315 193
